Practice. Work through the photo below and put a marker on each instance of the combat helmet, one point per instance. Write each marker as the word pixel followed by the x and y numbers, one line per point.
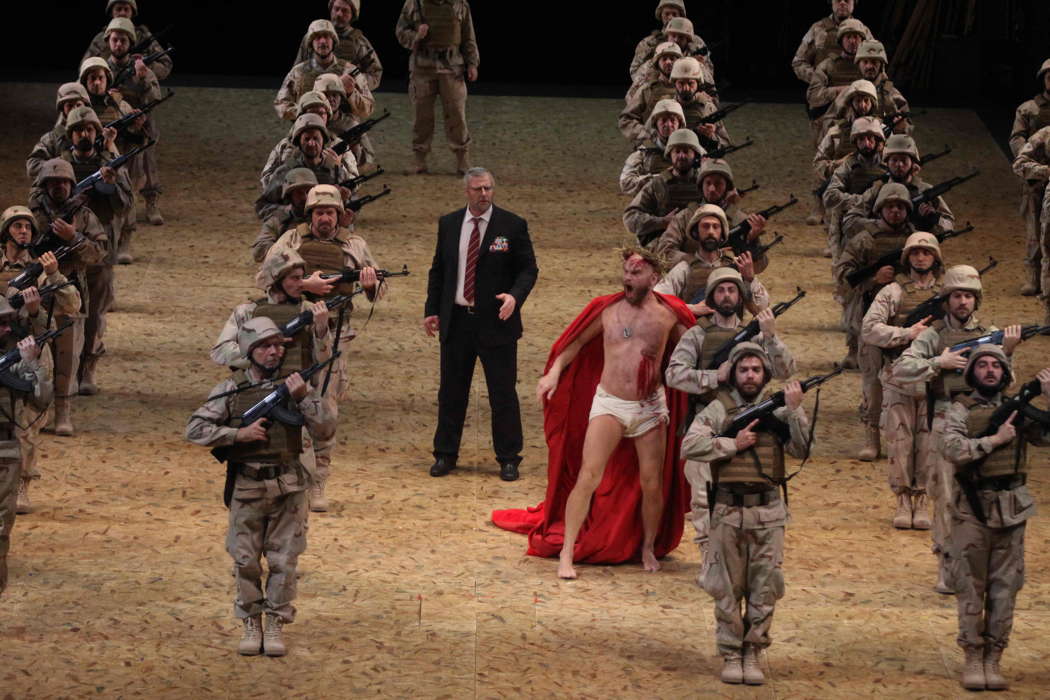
pixel 92 63
pixel 321 26
pixel 12 214
pixel 873 49
pixel 661 4
pixel 683 137
pixel 666 48
pixel 276 266
pixel 705 210
pixel 861 87
pixel 989 350
pixel 965 278
pixel 866 125
pixel 324 196
pixel 679 25
pixel 893 192
pixel 69 92
pixel 1043 69
pixel 716 166
pixel 82 115
pixel 720 275
pixel 312 98
pixel 747 349
pixel 306 121
pixel 356 4
pixel 254 331
pixel 901 144
pixel 850 26
pixel 296 178
pixel 329 82
pixel 663 107
pixel 55 169
pixel 121 24
pixel 134 6
pixel 921 239
pixel 687 68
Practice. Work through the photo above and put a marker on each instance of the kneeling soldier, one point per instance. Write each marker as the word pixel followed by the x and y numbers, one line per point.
pixel 747 522
pixel 266 482
pixel 989 509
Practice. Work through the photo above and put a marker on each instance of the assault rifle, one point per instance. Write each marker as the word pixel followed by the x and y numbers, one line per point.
pixel 129 70
pixel 356 204
pixel 934 305
pixel 349 276
pixel 359 68
pixel 996 338
pixel 305 318
pixel 763 412
pixel 125 121
pixel 928 196
pixel 96 177
pixel 750 331
pixel 353 135
pixel 738 235
pixel 18 301
pixel 761 250
pixel 720 114
pixel 360 179
pixel 13 356
pixel 894 258
pixel 723 151
pixel 29 276
pixel 888 123
pixel 144 43
pixel 885 177
pixel 1021 403
pixel 754 186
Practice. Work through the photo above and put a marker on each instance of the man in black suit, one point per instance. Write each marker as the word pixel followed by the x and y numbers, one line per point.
pixel 483 270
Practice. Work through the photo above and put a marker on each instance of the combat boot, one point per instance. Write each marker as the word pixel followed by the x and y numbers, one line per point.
pixel 23 505
pixel 419 164
pixel 942 586
pixel 152 211
pixel 1031 286
pixel 462 163
pixel 902 518
pixel 870 452
pixel 993 678
pixel 273 640
pixel 816 215
pixel 251 640
pixel 63 418
pixel 87 376
pixel 318 499
pixel 752 666
pixel 973 669
pixel 920 511
pixel 732 669
pixel 850 360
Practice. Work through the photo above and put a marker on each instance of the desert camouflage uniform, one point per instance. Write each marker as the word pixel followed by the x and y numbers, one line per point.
pixel 699 107
pixel 746 542
pixel 1030 118
pixel 643 55
pixel 643 164
pixel 301 79
pixel 1032 165
pixel 676 281
pixel 138 93
pixel 861 215
pixel 818 43
pixel 677 243
pixel 352 47
pixel 283 218
pixel 438 71
pixel 645 213
pixel 161 67
pixel 285 151
pixel 831 78
pixel 327 172
pixel 847 183
pixel 633 118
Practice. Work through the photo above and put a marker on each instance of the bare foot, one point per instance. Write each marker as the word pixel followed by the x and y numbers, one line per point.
pixel 565 569
pixel 649 561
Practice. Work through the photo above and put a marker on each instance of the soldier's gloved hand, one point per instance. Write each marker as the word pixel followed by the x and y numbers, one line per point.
pixel 316 285
pixel 320 311
pixel 49 262
pixel 1044 381
pixel 63 230
pixel 1007 432
pixel 109 175
pixel 28 348
pixel 758 225
pixel 885 274
pixel 256 432
pixel 1011 339
pixel 296 386
pixel 421 33
pixel 916 329
pixel 767 322
pixel 952 360
pixel 745 438
pixel 31 299
pixel 793 395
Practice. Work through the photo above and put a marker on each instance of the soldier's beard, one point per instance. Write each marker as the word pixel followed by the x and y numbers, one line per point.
pixel 728 310
pixel 685 95
pixel 84 145
pixel 988 391
pixel 749 391
pixel 710 244
pixel 867 152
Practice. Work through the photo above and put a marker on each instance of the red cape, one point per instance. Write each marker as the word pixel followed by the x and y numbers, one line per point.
pixel 612 532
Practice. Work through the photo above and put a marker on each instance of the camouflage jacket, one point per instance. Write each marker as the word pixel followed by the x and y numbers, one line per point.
pixel 814 47
pixel 354 48
pixel 161 67
pixel 301 79
pixel 463 56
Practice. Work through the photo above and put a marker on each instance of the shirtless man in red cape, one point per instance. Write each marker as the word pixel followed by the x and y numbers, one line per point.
pixel 629 401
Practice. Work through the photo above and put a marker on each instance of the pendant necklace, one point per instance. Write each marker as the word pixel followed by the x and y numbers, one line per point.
pixel 627 330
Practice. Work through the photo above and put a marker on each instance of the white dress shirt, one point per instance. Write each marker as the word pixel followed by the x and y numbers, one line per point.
pixel 464 242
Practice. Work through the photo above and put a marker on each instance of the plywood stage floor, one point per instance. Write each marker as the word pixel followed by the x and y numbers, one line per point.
pixel 120 586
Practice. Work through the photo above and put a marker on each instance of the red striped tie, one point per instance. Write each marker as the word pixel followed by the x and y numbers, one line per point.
pixel 473 251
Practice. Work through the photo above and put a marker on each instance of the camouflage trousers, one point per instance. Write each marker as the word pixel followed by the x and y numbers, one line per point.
pixel 424 87
pixel 274 527
pixel 9 476
pixel 747 553
pixel 870 359
pixel 940 482
pixel 30 421
pixel 1032 203
pixel 68 348
pixel 101 295
pixel 1044 248
pixel 324 436
pixel 988 572
pixel 698 474
pixel 903 423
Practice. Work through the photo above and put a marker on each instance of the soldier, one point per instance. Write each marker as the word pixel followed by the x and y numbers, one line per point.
pixel 748 516
pixel 128 9
pixel 821 40
pixel 309 103
pixel 872 61
pixel 36 394
pixel 297 184
pixel 928 360
pixel 689 371
pixel 858 101
pixel 54 142
pixel 17 231
pixel 988 531
pixel 352 45
pixel 642 98
pixel 901 157
pixel 68 221
pixel 864 249
pixel 1032 116
pixel 671 15
pixel 833 75
pixel 341 117
pixel 301 78
pixel 140 89
pixel 310 137
pixel 687 76
pixel 1032 165
pixel 851 177
pixel 329 247
pixel 648 214
pixel 648 160
pixel 680 239
pixel 904 418
pixel 266 483
pixel 440 35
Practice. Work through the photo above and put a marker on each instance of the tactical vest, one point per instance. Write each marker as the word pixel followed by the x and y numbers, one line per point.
pixel 8 272
pixel 831 41
pixel 653 160
pixel 346 49
pixel 326 257
pixel 1042 117
pixel 950 383
pixel 679 192
pixel 911 298
pixel 298 354
pixel 844 146
pixel 446 29
pixel 714 338
pixel 658 90
pixel 842 72
pixel 761 463
pixel 99 204
pixel 284 443
pixel 884 89
pixel 1001 461
pixel 105 109
pixel 694 112
pixel 699 271
pixel 862 176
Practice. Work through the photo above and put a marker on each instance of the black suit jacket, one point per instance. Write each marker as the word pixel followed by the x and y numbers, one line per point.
pixel 506 264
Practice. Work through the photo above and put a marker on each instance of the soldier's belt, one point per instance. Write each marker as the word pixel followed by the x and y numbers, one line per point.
pixel 1001 483
pixel 738 498
pixel 263 473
